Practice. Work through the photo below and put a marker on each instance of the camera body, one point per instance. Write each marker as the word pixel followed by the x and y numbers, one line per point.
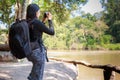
pixel 45 14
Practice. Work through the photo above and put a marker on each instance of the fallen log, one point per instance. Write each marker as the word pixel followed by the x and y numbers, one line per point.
pixel 106 67
pixel 4 47
pixel 108 70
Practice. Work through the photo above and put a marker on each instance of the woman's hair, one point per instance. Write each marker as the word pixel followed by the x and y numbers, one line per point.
pixel 31 11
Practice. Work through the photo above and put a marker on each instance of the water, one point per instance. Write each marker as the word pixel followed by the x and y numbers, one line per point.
pixel 93 57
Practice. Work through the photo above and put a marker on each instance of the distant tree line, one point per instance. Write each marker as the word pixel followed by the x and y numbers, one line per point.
pixel 98 31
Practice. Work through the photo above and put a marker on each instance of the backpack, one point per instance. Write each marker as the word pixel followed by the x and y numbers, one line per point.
pixel 19 41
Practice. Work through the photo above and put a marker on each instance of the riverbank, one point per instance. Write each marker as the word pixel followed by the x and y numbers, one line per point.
pixel 7 56
pixel 93 57
pixel 82 52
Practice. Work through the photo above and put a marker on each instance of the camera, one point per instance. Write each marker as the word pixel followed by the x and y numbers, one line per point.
pixel 45 14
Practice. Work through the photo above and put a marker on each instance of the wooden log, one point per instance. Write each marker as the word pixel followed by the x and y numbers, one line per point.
pixel 104 67
pixel 109 75
pixel 4 47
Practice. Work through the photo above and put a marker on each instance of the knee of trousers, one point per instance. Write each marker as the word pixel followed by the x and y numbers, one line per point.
pixel 39 61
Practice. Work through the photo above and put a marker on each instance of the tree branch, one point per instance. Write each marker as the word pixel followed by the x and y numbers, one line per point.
pixel 105 67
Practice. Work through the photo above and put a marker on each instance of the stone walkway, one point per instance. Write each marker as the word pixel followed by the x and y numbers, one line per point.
pixel 53 71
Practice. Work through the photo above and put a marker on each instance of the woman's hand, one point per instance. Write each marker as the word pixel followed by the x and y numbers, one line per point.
pixel 47 16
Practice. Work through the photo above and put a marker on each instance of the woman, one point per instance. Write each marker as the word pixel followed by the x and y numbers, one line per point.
pixel 37 28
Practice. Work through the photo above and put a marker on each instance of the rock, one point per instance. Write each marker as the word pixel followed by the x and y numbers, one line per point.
pixel 53 71
pixel 60 71
pixel 6 57
pixel 4 76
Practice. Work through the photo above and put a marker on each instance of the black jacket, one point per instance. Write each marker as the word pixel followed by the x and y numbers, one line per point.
pixel 37 28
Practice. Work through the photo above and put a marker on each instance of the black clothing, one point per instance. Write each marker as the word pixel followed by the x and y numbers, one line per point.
pixel 37 28
pixel 38 55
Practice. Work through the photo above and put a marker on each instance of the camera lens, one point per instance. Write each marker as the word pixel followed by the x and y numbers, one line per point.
pixel 45 14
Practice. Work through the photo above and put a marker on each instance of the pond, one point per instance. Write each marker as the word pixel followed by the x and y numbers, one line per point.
pixel 93 57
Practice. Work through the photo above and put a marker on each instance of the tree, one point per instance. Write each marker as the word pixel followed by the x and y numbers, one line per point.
pixel 89 17
pixel 13 9
pixel 21 6
pixel 86 33
pixel 6 11
pixel 111 16
pixel 60 8
pixel 115 30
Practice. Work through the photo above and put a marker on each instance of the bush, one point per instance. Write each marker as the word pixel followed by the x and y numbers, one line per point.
pixel 112 46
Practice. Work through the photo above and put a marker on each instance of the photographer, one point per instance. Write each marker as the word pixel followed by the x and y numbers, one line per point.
pixel 37 28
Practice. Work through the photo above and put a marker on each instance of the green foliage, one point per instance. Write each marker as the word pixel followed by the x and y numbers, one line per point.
pixel 115 31
pixel 84 32
pixel 89 17
pixel 112 17
pixel 3 36
pixel 113 11
pixel 105 39
pixel 3 31
pixel 60 9
pixel 5 11
pixel 112 46
pixel 78 33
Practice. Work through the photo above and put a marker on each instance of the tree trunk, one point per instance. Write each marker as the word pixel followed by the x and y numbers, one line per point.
pixel 18 10
pixel 21 9
pixel 24 7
